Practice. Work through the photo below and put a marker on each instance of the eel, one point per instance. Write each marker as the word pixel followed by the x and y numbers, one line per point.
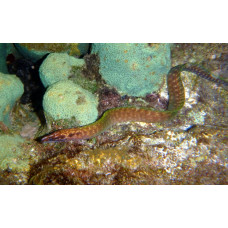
pixel 123 114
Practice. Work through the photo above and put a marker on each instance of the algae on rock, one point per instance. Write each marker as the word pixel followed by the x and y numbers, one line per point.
pixel 12 155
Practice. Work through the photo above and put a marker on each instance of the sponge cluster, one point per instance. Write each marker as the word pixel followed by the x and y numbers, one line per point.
pixel 64 99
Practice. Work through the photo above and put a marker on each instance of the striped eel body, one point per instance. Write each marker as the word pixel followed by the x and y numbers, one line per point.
pixel 124 114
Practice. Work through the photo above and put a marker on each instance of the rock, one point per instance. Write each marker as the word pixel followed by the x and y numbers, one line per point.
pixel 134 69
pixel 12 156
pixel 164 157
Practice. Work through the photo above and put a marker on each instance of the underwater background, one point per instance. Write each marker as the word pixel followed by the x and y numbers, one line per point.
pixel 47 87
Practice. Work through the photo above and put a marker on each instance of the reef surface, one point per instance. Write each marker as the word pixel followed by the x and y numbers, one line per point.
pixel 189 149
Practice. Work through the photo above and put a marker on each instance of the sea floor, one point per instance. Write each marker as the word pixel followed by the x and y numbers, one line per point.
pixel 192 148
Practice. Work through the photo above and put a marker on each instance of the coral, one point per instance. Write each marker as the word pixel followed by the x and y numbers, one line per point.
pixel 189 149
pixel 64 100
pixel 11 89
pixel 134 69
pixel 57 67
pixel 38 50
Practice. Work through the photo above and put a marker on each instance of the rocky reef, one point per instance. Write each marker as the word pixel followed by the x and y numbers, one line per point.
pixel 191 148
